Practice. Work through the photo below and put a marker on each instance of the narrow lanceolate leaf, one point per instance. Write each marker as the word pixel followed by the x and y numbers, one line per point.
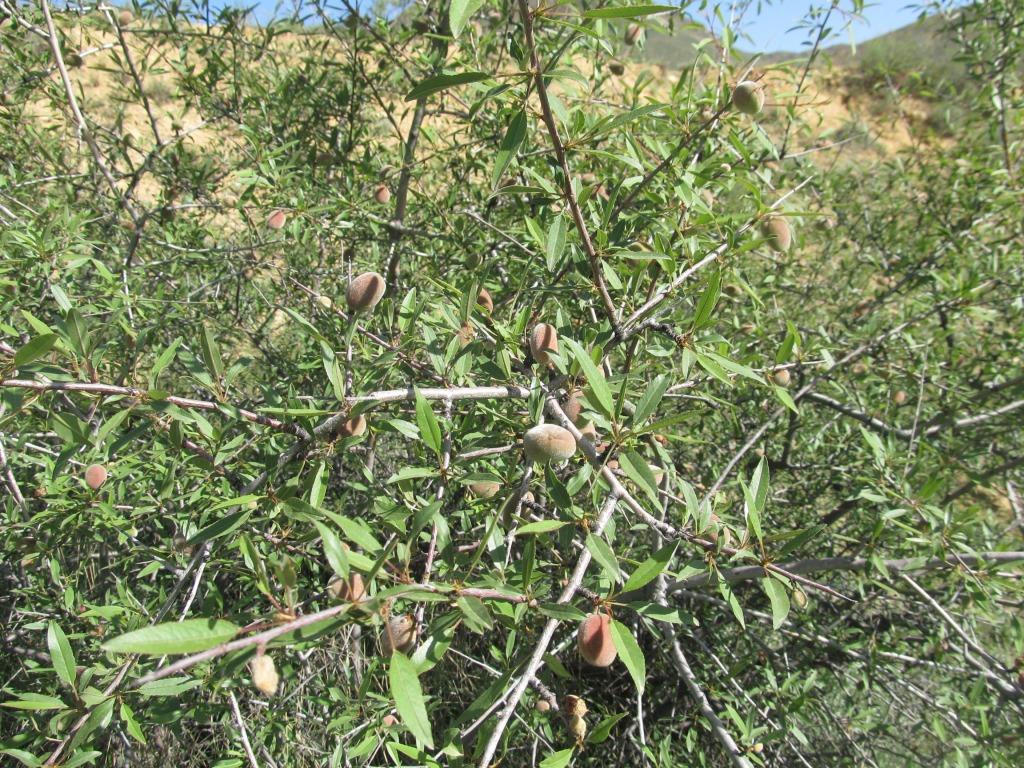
pixel 630 653
pixel 408 696
pixel 189 636
pixel 627 12
pixel 514 137
pixel 34 701
pixel 558 759
pixel 759 485
pixel 650 568
pixel 430 430
pixel 334 551
pixel 651 400
pixel 459 13
pixel 779 598
pixel 595 379
pixel 475 614
pixel 211 354
pixel 554 244
pixel 438 83
pixel 540 526
pixel 36 348
pixel 60 654
pixel 604 556
pixel 638 470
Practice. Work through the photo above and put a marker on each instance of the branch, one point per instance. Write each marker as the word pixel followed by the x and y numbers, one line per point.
pixel 546 635
pixel 141 394
pixel 908 434
pixel 83 128
pixel 567 190
pixel 751 572
pixel 681 664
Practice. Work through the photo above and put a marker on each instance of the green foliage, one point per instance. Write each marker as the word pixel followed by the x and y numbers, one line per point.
pixel 772 536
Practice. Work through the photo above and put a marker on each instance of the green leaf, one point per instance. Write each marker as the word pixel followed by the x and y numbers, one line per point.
pixel 604 556
pixel 638 470
pixel 459 12
pixel 408 696
pixel 334 550
pixel 412 473
pixel 438 83
pixel 221 527
pixel 708 300
pixel 604 728
pixel 169 686
pixel 514 137
pixel 36 348
pixel 759 484
pixel 595 378
pixel 650 568
pixel 430 431
pixel 189 636
pixel 211 354
pixel 627 12
pixel 61 654
pixel 554 244
pixel 558 759
pixel 475 614
pixel 651 400
pixel 630 653
pixel 23 757
pixel 78 332
pixel 561 611
pixel 540 526
pixel 779 599
pixel 34 701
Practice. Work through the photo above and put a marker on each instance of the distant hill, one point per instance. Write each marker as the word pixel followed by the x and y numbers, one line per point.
pixel 918 51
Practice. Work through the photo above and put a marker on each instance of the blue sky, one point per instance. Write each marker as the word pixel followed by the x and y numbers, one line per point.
pixel 774 30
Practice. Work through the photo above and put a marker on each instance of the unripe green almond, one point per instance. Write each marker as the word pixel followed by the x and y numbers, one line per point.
pixel 573 406
pixel 465 334
pixel 574 706
pixel 277 219
pixel 365 291
pixel 594 640
pixel 578 727
pixel 485 489
pixel 95 476
pixel 354 427
pixel 658 472
pixel 633 33
pixel 748 97
pixel 264 674
pixel 352 589
pixel 778 233
pixel 589 431
pixel 483 298
pixel 549 442
pixel 799 599
pixel 400 634
pixel 543 340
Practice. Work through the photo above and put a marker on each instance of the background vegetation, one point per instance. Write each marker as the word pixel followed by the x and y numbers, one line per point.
pixel 800 501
